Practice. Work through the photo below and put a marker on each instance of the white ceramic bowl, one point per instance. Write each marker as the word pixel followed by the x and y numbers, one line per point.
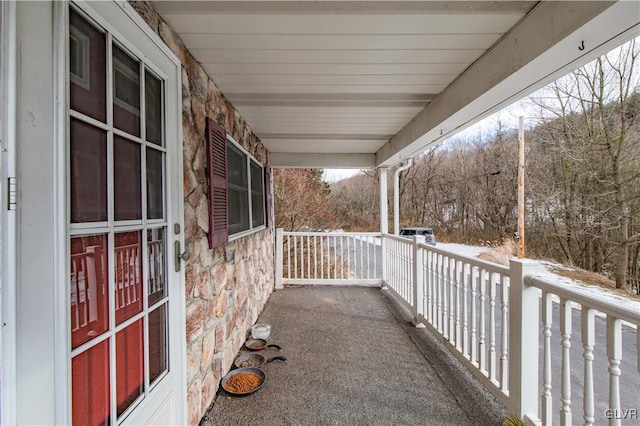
pixel 261 331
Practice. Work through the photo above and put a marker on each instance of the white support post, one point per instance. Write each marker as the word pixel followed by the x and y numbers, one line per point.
pixel 384 222
pixel 384 209
pixel 279 257
pixel 418 282
pixel 523 345
pixel 396 195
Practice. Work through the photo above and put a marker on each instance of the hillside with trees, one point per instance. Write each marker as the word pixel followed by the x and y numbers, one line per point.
pixel 582 178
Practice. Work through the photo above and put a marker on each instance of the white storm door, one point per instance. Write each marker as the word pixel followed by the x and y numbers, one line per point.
pixel 125 292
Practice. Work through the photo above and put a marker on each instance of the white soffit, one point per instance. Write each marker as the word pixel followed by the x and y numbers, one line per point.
pixel 348 77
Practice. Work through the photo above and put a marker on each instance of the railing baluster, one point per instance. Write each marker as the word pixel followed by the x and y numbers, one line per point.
pixel 547 318
pixel 322 256
pixel 445 298
pixel 565 331
pixel 452 285
pixel 481 338
pixel 614 353
pixel 375 257
pixel 315 257
pixel 458 331
pixel 504 333
pixel 492 325
pixel 367 244
pixel 335 259
pixel 465 309
pixel 307 258
pixel 430 285
pixel 474 286
pixel 440 266
pixel 295 256
pixel 588 342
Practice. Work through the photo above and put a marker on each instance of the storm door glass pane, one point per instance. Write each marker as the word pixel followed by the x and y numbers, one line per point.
pixel 126 171
pixel 157 250
pixel 128 275
pixel 129 365
pixel 153 108
pixel 90 386
pixel 89 290
pixel 87 68
pixel 155 202
pixel 238 190
pixel 126 88
pixel 158 343
pixel 88 168
pixel 257 195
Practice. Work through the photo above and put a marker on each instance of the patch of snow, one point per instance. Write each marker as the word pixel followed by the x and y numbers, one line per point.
pixel 462 249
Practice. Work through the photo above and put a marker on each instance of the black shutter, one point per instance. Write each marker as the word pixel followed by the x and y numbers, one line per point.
pixel 217 183
pixel 268 198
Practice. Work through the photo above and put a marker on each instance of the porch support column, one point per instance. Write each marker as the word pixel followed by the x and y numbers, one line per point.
pixel 396 195
pixel 524 318
pixel 384 210
pixel 384 222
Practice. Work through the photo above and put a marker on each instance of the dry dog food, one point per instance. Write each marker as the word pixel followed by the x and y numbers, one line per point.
pixel 243 382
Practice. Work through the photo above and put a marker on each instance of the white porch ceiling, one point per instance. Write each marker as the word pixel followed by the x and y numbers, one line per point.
pixel 370 83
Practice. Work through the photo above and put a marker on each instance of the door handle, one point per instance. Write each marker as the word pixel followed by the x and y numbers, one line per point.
pixel 179 255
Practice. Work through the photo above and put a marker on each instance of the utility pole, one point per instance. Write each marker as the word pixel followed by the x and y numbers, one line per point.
pixel 521 188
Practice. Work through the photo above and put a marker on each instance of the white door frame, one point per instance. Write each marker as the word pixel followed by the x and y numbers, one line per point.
pixel 8 78
pixel 35 363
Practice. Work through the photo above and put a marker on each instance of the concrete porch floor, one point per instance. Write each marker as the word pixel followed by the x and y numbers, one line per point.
pixel 354 358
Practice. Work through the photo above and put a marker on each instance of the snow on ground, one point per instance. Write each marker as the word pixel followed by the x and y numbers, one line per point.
pixel 463 249
pixel 542 269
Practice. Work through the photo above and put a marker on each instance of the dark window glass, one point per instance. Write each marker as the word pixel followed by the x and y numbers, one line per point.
pixel 155 202
pixel 153 108
pixel 257 195
pixel 87 68
pixel 238 194
pixel 126 174
pixel 88 173
pixel 158 342
pixel 126 92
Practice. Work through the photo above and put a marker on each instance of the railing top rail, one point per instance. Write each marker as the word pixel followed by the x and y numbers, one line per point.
pixel 330 234
pixel 601 303
pixel 489 266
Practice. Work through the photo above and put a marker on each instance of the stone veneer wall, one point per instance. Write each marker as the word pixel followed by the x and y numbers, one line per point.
pixel 226 288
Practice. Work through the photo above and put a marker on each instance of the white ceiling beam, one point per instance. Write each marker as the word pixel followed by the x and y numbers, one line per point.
pixel 541 48
pixel 332 41
pixel 341 6
pixel 426 55
pixel 322 161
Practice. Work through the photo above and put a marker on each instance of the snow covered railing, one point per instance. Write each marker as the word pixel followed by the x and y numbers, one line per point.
pixel 328 258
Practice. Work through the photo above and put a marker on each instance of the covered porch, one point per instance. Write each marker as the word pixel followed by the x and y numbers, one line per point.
pixel 215 95
pixel 353 357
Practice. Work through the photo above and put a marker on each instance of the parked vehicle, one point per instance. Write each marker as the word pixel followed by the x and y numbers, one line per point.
pixel 429 236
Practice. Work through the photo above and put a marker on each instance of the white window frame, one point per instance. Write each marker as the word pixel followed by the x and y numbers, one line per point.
pixel 248 158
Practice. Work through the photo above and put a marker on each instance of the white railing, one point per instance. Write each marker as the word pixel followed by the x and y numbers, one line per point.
pixel 497 320
pixel 614 319
pixel 328 258
pixel 463 300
